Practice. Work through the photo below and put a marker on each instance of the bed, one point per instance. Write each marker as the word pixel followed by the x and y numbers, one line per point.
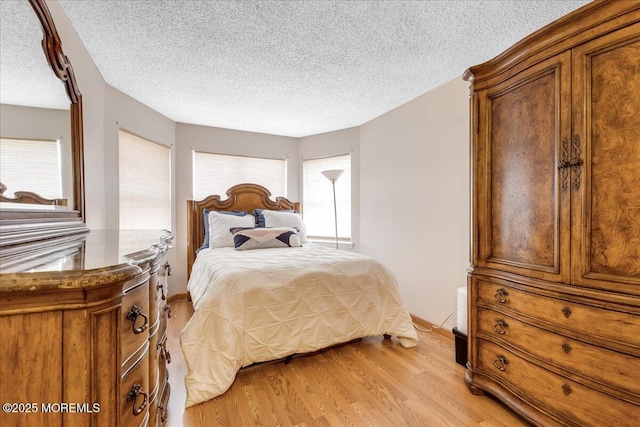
pixel 258 305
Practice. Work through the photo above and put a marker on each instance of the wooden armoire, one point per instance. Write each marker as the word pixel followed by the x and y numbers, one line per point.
pixel 554 286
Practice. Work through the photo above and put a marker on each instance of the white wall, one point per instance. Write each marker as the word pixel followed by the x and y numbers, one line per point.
pixel 191 138
pixel 333 144
pixel 414 197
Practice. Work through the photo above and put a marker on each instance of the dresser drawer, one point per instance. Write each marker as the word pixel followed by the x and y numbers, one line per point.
pixel 606 366
pixel 134 394
pixel 581 404
pixel 134 330
pixel 611 325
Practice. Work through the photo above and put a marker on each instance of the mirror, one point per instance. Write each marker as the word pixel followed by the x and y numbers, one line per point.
pixel 38 105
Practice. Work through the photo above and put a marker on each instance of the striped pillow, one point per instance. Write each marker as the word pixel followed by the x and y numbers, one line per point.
pixel 261 238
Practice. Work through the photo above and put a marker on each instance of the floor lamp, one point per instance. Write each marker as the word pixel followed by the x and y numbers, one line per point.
pixel 333 175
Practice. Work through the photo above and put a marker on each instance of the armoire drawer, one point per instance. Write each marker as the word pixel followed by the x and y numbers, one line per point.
pixel 618 370
pixel 135 321
pixel 134 394
pixel 597 322
pixel 581 404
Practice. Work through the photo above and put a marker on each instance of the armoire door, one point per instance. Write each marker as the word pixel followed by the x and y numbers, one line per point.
pixel 522 177
pixel 606 157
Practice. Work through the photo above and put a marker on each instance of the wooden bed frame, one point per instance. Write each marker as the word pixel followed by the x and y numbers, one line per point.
pixel 241 197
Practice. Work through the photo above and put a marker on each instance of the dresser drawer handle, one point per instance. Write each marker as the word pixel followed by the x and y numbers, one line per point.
pixel 167 268
pixel 566 348
pixel 134 313
pixel 166 355
pixel 167 309
pixel 501 363
pixel 566 389
pixel 501 327
pixel 136 391
pixel 501 295
pixel 566 311
pixel 161 289
pixel 163 413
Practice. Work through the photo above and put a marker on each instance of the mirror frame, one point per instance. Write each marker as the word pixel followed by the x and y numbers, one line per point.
pixel 52 46
pixel 35 222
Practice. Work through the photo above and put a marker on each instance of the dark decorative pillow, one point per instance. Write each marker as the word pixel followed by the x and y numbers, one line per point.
pixel 262 237
pixel 205 215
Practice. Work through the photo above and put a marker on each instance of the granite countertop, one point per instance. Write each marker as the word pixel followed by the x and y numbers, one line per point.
pixel 80 261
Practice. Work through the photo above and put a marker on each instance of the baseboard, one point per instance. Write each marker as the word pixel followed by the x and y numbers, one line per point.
pixel 178 297
pixel 425 324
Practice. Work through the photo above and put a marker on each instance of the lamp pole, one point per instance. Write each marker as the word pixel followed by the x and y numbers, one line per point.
pixel 335 210
pixel 333 175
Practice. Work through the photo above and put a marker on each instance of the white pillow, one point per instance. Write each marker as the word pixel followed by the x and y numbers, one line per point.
pixel 220 225
pixel 286 219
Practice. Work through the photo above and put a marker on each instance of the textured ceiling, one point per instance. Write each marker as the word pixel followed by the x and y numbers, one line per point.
pixel 294 68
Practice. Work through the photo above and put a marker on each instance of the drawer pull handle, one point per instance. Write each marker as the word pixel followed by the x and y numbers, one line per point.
pixel 161 289
pixel 501 363
pixel 501 327
pixel 501 295
pixel 136 391
pixel 134 313
pixel 166 355
pixel 566 311
pixel 163 413
pixel 167 309
pixel 566 348
pixel 167 268
pixel 566 389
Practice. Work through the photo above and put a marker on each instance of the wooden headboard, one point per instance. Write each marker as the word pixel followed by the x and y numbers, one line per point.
pixel 241 197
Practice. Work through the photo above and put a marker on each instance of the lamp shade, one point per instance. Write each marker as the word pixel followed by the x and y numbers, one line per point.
pixel 333 174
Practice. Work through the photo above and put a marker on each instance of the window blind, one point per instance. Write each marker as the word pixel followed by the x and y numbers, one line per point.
pixel 318 197
pixel 31 165
pixel 145 183
pixel 216 173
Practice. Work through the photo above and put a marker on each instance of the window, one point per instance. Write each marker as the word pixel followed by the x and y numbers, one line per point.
pixel 216 173
pixel 317 201
pixel 31 165
pixel 145 183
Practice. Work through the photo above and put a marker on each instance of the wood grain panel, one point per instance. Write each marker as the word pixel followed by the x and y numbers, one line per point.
pixel 105 362
pixel 615 161
pixel 31 368
pixel 522 173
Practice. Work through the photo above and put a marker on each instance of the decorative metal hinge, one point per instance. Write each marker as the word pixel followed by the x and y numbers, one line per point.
pixel 563 164
pixel 576 162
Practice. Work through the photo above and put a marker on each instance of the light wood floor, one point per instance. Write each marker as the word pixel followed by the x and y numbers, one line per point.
pixel 373 382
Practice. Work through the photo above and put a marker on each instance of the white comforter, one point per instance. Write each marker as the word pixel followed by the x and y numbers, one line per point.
pixel 259 305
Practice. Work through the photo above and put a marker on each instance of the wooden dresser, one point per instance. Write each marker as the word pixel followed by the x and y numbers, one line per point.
pixel 83 331
pixel 554 287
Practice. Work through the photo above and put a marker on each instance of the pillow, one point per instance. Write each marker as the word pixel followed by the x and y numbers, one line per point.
pixel 285 219
pixel 263 237
pixel 205 215
pixel 260 218
pixel 220 226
